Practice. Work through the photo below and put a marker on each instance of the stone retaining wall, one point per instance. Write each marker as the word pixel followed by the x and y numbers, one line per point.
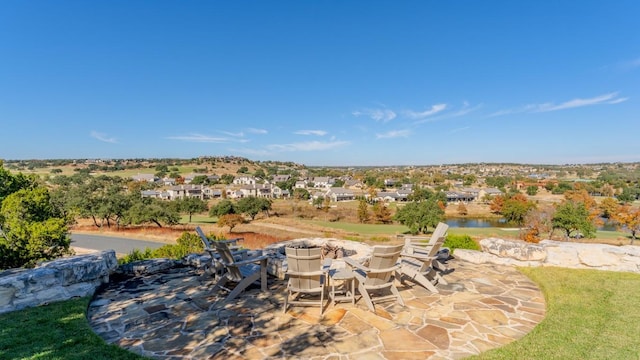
pixel 56 280
pixel 554 253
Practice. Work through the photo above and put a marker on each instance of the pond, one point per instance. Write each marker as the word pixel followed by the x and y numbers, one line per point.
pixel 501 223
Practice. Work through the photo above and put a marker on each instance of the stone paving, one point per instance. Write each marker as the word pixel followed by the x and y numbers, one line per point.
pixel 176 315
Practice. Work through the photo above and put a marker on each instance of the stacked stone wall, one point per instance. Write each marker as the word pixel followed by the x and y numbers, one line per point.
pixel 555 253
pixel 56 280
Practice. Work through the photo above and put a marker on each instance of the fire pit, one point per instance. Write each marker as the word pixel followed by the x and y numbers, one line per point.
pixel 331 249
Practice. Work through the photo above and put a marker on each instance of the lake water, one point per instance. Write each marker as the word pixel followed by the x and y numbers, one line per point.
pixel 500 223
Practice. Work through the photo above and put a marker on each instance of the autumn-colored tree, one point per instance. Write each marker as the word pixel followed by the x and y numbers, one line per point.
pixel 609 207
pixel 537 222
pixel 496 204
pixel 515 208
pixel 462 210
pixel 363 211
pixel 582 196
pixel 230 220
pixel 381 213
pixel 628 218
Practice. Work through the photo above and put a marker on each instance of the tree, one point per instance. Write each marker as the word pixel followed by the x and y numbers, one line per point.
pixel 363 211
pixel 572 217
pixel 259 173
pixel 628 218
pixel 33 229
pixel 537 222
pixel 515 208
pixel 243 170
pixel 152 211
pixel 609 207
pixel 462 210
pixel 318 202
pixel 200 179
pixel 191 205
pixel 628 194
pixel 497 202
pixel 468 180
pixel 230 220
pixel 418 216
pixel 301 194
pixel 252 206
pixel 532 190
pixel 222 208
pixel 381 213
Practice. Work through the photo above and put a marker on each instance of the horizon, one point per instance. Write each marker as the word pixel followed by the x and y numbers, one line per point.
pixel 322 84
pixel 351 165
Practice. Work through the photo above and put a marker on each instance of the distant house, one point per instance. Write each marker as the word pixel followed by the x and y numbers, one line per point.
pixel 458 196
pixel 245 180
pixel 280 178
pixel 144 177
pixel 340 194
pixel 300 184
pixel 167 181
pixel 183 191
pixel 322 182
pixel 489 192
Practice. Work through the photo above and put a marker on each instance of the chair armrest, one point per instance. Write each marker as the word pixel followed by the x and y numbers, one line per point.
pixel 376 271
pixel 418 256
pixel 253 260
pixel 307 273
pixel 355 264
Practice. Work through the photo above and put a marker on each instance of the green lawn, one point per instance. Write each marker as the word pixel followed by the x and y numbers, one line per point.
pixel 56 331
pixel 590 315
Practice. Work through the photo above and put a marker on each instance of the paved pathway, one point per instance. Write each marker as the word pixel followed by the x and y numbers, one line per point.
pixel 175 315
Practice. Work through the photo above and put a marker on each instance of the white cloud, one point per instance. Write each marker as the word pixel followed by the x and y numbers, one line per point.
pixel 421 115
pixel 257 131
pixel 610 98
pixel 464 110
pixel 240 134
pixel 311 132
pixel 383 115
pixel 103 137
pixel 200 138
pixel 394 134
pixel 307 146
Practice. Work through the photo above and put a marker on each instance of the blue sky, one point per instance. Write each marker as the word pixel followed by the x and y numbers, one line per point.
pixel 322 82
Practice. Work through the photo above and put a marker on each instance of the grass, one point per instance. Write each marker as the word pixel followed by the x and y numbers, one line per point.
pixel 56 331
pixel 590 315
pixel 364 229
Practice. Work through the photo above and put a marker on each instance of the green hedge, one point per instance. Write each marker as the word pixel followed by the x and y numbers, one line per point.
pixel 187 243
pixel 454 241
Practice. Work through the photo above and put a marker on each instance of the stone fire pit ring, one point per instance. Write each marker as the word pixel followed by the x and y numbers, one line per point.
pixel 332 248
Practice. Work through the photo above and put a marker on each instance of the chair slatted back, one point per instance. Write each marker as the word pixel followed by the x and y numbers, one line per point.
pixel 227 259
pixel 383 260
pixel 203 237
pixel 301 260
pixel 440 231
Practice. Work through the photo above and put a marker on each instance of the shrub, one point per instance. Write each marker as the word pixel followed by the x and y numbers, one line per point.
pixel 187 243
pixel 460 242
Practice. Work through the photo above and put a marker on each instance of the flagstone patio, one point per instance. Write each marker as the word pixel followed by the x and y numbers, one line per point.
pixel 176 315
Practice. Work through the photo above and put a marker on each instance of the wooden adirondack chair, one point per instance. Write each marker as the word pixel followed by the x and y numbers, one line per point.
pixel 307 278
pixel 375 282
pixel 214 266
pixel 417 264
pixel 439 232
pixel 243 273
